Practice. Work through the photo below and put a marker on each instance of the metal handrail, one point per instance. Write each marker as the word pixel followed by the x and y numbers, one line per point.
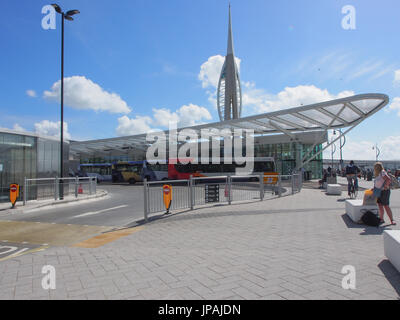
pixel 230 195
pixel 65 178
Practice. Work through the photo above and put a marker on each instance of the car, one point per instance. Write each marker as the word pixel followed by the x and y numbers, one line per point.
pixel 99 177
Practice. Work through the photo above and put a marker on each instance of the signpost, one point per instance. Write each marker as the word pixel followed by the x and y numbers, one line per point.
pixel 211 193
pixel 14 193
pixel 167 195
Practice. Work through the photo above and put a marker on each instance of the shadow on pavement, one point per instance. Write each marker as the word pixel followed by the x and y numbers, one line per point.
pixel 391 274
pixel 193 215
pixel 367 229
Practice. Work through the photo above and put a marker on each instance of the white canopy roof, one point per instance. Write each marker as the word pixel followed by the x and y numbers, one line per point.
pixel 335 114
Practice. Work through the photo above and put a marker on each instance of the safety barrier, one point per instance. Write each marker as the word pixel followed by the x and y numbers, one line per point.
pixel 186 194
pixel 55 188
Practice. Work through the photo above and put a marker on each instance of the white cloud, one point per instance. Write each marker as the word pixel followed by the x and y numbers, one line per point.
pixel 190 115
pixel 366 68
pixel 209 75
pixel 138 125
pixel 260 101
pixel 17 127
pixel 362 150
pixel 395 105
pixel 397 77
pixel 256 100
pixel 163 117
pixel 187 115
pixel 211 70
pixel 31 93
pixel 51 129
pixel 82 93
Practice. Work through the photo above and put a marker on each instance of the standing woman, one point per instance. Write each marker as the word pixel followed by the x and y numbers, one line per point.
pixel 382 181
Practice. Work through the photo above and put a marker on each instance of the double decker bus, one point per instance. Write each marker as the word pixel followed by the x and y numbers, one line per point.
pixel 262 165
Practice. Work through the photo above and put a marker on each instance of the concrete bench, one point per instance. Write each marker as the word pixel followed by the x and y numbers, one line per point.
pixel 354 208
pixel 334 189
pixel 391 243
pixel 331 180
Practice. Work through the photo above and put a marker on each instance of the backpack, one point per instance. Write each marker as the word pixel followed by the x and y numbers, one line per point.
pixel 351 169
pixel 395 183
pixel 370 219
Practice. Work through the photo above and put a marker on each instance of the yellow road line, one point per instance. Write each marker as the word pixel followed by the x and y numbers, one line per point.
pixel 25 252
pixel 105 238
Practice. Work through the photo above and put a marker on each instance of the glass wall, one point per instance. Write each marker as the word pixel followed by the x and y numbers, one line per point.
pixel 17 160
pixel 28 156
pixel 287 155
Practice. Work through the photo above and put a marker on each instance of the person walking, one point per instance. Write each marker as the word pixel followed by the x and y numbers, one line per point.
pixel 382 181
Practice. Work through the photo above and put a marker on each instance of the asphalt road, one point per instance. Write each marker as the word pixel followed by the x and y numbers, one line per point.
pixel 122 206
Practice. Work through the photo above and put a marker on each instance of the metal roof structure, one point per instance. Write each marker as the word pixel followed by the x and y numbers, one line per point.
pixel 335 114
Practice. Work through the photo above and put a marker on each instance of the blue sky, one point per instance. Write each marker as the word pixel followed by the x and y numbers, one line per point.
pixel 134 64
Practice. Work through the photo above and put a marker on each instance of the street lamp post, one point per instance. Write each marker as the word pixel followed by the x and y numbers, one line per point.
pixel 341 147
pixel 68 15
pixel 333 152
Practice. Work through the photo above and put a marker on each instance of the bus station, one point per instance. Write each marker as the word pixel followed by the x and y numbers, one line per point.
pixel 244 208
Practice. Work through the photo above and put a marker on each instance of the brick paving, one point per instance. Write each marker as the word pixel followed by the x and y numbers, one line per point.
pixel 289 248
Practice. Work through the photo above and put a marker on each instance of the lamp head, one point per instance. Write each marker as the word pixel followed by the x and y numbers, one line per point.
pixel 56 7
pixel 72 12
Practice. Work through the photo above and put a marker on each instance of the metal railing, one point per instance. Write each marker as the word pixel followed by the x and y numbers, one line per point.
pixel 50 188
pixel 186 194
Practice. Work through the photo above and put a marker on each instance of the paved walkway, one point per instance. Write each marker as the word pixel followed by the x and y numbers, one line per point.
pixel 289 248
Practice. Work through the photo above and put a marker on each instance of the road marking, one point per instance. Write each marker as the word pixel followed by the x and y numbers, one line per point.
pixel 24 251
pixel 97 212
pixel 108 237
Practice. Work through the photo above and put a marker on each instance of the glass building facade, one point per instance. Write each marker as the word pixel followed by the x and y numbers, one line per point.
pixel 287 154
pixel 28 156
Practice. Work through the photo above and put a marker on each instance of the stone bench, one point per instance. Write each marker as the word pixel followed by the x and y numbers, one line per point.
pixel 391 243
pixel 334 189
pixel 331 180
pixel 354 208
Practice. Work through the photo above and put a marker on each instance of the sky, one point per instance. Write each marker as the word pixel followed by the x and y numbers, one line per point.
pixel 131 66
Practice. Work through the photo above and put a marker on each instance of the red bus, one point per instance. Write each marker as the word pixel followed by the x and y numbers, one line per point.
pixel 262 165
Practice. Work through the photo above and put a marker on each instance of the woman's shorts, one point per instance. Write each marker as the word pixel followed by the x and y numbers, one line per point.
pixel 384 198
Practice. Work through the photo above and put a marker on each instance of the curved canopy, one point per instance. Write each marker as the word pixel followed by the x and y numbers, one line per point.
pixel 334 114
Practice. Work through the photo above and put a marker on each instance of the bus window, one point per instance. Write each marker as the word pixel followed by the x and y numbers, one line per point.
pixel 261 166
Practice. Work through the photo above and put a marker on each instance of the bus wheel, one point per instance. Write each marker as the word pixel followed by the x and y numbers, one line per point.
pixel 132 181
